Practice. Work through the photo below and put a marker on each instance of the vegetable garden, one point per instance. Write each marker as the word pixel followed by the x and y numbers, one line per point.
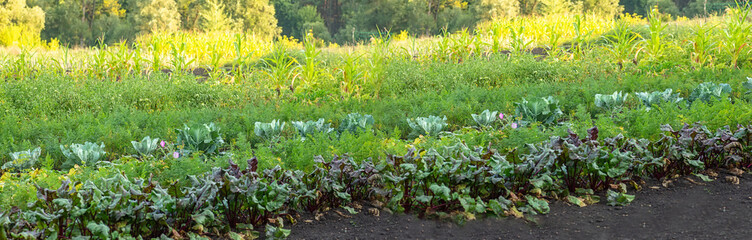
pixel 228 136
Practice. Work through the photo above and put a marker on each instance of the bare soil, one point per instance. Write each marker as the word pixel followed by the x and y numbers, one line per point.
pixel 687 209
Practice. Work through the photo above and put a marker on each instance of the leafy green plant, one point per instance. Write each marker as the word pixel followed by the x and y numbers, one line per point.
pixel 618 198
pixel 87 154
pixel 310 127
pixel 486 118
pixel 709 91
pixel 355 122
pixel 205 139
pixel 748 85
pixel 23 160
pixel 657 97
pixel 269 131
pixel 276 232
pixel 544 110
pixel 146 146
pixel 612 103
pixel 429 126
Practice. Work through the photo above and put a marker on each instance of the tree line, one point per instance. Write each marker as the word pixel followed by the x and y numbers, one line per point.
pixel 89 22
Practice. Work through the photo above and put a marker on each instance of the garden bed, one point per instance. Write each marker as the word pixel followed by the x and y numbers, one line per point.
pixel 687 209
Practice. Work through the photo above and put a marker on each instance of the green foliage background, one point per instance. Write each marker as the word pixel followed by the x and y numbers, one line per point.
pixel 88 22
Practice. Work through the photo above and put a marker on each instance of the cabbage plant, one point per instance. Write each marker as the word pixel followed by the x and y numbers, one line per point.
pixel 544 110
pixel 748 85
pixel 612 102
pixel 486 118
pixel 709 91
pixel 87 154
pixel 354 122
pixel 205 139
pixel 269 131
pixel 22 160
pixel 311 127
pixel 428 126
pixel 146 146
pixel 657 97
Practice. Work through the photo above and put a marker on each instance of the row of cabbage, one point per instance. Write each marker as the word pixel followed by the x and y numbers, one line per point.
pixel 208 141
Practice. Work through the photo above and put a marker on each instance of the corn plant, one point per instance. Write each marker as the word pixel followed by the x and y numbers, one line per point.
pixel 351 74
pixel 658 97
pixel 486 118
pixel 428 126
pixel 622 44
pixel 611 103
pixel 311 127
pixel 543 110
pixel 517 39
pixel 121 57
pixel 702 44
pixel 215 58
pixel 179 60
pixel 281 69
pixel 22 160
pixel 146 146
pixel 100 61
pixel 709 91
pixel 87 154
pixel 441 50
pixel 242 59
pixel 579 42
pixel 461 47
pixel 737 32
pixel 270 132
pixel 62 65
pixel 355 122
pixel 553 37
pixel 655 45
pixel 379 53
pixel 205 139
pixel 156 55
pixel 311 70
pixel 497 33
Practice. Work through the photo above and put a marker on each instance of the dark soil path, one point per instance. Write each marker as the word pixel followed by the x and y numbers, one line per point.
pixel 684 210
